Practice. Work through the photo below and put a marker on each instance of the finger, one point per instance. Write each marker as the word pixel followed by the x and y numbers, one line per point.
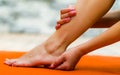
pixel 69 14
pixel 59 61
pixel 63 67
pixel 66 10
pixel 63 21
pixel 57 26
pixel 60 22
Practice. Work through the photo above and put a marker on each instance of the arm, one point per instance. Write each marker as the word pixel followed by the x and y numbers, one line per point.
pixel 70 58
pixel 87 15
pixel 108 20
pixel 110 36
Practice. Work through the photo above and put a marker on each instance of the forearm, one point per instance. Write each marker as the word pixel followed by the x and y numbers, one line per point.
pixel 108 20
pixel 110 36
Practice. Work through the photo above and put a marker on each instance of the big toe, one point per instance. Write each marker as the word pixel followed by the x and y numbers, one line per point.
pixel 10 61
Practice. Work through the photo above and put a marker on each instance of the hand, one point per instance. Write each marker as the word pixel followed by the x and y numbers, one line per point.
pixel 65 16
pixel 67 61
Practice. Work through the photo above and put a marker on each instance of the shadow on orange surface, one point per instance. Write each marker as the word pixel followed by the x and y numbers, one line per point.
pixel 88 65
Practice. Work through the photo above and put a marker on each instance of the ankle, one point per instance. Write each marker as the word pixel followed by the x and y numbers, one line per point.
pixel 55 46
pixel 57 43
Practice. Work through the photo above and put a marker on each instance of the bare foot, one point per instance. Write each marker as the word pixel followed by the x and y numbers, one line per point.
pixel 43 54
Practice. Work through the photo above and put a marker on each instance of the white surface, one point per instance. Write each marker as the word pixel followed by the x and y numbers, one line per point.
pixel 22 42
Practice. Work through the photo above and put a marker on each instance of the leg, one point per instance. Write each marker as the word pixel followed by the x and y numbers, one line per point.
pixel 57 43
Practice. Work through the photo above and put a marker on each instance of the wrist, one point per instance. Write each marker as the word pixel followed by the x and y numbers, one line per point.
pixel 83 49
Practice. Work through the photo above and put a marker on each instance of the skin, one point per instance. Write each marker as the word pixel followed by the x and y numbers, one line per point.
pixel 106 21
pixel 57 43
pixel 69 59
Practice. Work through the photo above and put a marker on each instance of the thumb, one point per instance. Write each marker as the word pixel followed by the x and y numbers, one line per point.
pixel 59 61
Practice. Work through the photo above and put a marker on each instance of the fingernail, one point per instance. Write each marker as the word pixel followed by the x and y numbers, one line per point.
pixel 52 66
pixel 67 19
pixel 57 26
pixel 73 12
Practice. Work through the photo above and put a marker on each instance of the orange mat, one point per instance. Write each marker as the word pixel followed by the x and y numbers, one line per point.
pixel 88 65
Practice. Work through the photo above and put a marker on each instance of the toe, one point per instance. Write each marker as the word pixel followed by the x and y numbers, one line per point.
pixel 20 63
pixel 10 61
pixel 17 64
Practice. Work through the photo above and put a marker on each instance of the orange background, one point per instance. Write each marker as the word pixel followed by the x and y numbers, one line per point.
pixel 88 65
